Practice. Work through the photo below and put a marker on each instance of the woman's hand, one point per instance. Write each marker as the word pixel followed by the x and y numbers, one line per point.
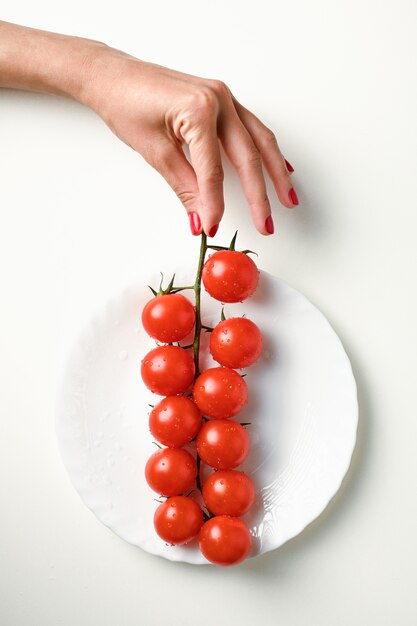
pixel 156 110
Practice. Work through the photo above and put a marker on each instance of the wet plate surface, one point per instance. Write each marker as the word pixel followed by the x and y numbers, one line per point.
pixel 302 411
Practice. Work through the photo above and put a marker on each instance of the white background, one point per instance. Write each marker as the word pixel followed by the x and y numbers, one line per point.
pixel 80 213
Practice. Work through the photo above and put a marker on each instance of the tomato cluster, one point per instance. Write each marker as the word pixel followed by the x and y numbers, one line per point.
pixel 199 407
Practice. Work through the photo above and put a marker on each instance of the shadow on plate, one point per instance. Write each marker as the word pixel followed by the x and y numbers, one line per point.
pixel 337 511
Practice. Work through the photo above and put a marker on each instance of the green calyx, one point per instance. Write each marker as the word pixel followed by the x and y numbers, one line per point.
pixel 169 289
pixel 232 247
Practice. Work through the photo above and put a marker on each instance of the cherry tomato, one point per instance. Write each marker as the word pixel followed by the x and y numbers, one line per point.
pixel 230 276
pixel 228 492
pixel 178 520
pixel 225 540
pixel 171 471
pixel 169 317
pixel 175 421
pixel 236 342
pixel 167 370
pixel 223 444
pixel 220 392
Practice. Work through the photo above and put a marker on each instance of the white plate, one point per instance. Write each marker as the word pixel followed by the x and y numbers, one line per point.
pixel 302 408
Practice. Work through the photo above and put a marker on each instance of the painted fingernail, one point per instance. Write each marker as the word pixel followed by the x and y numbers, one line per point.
pixel 195 223
pixel 213 230
pixel 289 166
pixel 269 225
pixel 293 196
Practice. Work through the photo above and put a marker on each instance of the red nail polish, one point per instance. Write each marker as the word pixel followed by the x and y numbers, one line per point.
pixel 269 225
pixel 289 166
pixel 213 230
pixel 195 223
pixel 293 196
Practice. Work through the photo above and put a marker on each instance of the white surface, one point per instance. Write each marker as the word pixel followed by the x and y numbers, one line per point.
pixel 302 413
pixel 336 80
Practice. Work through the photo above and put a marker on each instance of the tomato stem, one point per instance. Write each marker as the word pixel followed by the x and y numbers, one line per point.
pixel 197 332
pixel 197 292
pixel 198 478
pixel 196 342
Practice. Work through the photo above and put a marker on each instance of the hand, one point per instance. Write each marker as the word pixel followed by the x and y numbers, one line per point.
pixel 155 110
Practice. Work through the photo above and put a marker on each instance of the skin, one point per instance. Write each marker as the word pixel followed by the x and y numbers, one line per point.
pixel 156 110
pixel 167 370
pixel 220 392
pixel 171 471
pixel 225 540
pixel 223 444
pixel 236 342
pixel 178 520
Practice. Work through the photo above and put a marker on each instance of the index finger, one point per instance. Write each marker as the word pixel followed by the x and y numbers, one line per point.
pixel 201 137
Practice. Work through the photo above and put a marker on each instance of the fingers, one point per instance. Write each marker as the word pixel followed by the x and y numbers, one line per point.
pixel 177 171
pixel 212 113
pixel 275 164
pixel 246 159
pixel 200 133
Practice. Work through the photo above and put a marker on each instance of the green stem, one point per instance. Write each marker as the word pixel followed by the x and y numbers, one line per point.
pixel 198 326
pixel 198 479
pixel 197 292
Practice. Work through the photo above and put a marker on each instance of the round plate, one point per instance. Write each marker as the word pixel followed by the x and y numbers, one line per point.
pixel 302 411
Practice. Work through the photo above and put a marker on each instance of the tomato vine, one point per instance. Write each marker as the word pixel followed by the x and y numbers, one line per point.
pixel 202 416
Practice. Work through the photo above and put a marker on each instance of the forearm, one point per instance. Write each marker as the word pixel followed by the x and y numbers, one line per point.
pixel 36 60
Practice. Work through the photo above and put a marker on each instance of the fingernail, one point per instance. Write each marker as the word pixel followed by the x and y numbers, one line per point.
pixel 269 225
pixel 293 196
pixel 213 230
pixel 195 223
pixel 289 166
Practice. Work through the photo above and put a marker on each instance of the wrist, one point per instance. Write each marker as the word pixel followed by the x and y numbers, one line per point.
pixel 109 76
pixel 84 58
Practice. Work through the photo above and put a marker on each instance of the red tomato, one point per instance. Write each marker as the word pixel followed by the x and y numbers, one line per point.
pixel 175 421
pixel 236 342
pixel 167 370
pixel 220 392
pixel 225 540
pixel 169 317
pixel 228 492
pixel 178 520
pixel 171 471
pixel 230 276
pixel 223 444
